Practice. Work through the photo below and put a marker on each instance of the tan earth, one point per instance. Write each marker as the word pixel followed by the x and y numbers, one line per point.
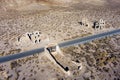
pixel 60 21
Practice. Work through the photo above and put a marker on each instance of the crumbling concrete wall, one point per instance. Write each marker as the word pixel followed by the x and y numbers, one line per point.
pixel 65 64
pixel 99 24
pixel 31 40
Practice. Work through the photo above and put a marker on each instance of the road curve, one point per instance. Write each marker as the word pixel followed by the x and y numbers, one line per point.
pixel 61 45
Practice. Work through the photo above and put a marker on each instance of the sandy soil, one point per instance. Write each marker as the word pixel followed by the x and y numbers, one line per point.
pixel 60 21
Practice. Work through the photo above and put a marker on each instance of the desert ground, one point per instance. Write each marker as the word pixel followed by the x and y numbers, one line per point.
pixel 59 20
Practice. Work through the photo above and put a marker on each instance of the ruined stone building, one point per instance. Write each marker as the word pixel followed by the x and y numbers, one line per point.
pixel 99 24
pixel 31 40
pixel 60 61
pixel 85 22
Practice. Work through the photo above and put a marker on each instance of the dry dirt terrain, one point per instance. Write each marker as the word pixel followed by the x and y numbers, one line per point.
pixel 59 20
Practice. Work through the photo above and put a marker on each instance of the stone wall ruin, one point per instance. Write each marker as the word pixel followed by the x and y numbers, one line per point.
pixel 32 40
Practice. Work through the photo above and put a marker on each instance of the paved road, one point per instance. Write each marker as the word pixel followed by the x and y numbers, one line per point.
pixel 63 44
pixel 20 55
pixel 88 38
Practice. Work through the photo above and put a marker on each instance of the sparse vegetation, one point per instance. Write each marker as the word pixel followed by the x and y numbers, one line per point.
pixel 60 22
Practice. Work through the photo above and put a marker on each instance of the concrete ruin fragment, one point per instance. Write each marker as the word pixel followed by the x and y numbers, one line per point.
pixel 32 40
pixel 55 55
pixel 86 25
pixel 99 24
pixel 85 22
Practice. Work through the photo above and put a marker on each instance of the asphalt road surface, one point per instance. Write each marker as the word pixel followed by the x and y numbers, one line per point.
pixel 61 45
